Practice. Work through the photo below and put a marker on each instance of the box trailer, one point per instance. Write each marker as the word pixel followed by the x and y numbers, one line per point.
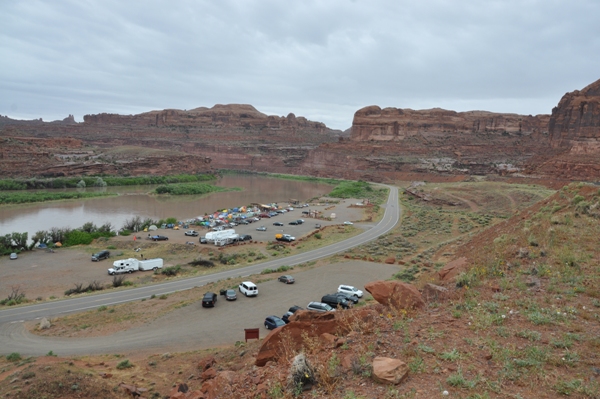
pixel 150 264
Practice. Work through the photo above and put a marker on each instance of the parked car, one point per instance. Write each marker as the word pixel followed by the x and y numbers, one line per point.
pixel 300 221
pixel 203 240
pixel 286 279
pixel 352 298
pixel 160 238
pixel 319 307
pixel 265 215
pixel 350 290
pixel 277 224
pixel 335 301
pixel 273 322
pixel 261 228
pixel 230 295
pixel 248 288
pixel 294 222
pixel 271 214
pixel 245 237
pixel 347 223
pixel 192 233
pixel 291 311
pixel 209 300
pixel 243 222
pixel 100 255
pixel 14 255
pixel 284 237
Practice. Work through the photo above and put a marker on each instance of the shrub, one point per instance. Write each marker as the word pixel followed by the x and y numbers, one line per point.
pixel 13 357
pixel 318 236
pixel 125 364
pixel 202 262
pixel 118 280
pixel 171 271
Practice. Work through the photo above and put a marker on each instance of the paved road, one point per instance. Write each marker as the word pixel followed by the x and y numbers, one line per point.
pixel 16 338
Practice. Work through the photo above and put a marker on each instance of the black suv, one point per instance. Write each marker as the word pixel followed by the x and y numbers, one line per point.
pixel 291 311
pixel 335 301
pixel 351 298
pixel 209 300
pixel 100 255
pixel 245 237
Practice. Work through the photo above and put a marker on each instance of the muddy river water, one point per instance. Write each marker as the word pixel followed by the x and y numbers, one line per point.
pixel 134 201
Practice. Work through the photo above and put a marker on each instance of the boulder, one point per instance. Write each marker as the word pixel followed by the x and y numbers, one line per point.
pixel 389 371
pixel 302 374
pixel 432 293
pixel 44 324
pixel 453 269
pixel 396 294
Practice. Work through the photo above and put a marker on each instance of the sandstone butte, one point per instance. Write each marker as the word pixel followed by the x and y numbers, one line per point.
pixel 382 145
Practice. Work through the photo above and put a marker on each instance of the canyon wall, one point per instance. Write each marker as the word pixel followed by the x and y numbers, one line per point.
pixel 382 145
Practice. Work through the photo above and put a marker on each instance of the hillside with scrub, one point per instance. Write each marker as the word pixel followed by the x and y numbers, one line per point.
pixel 518 315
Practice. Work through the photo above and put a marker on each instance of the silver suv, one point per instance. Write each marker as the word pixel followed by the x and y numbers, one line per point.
pixel 320 307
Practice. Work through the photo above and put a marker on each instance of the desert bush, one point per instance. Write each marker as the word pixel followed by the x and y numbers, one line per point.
pixel 171 271
pixel 202 262
pixel 118 280
pixel 16 297
pixel 13 357
pixel 125 364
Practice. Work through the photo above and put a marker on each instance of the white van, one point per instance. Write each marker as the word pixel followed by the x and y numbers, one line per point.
pixel 248 288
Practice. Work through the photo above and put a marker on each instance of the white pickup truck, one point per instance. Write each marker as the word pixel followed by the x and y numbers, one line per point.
pixel 131 265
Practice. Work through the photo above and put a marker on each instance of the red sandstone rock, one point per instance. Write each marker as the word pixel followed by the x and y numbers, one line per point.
pixel 312 324
pixel 453 269
pixel 389 371
pixel 396 294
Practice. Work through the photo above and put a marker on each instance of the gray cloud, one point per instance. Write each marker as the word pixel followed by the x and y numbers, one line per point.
pixel 321 60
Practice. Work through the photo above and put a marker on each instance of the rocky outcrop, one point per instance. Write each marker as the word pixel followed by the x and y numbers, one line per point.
pixel 575 121
pixel 453 269
pixel 393 124
pixel 396 294
pixel 305 323
pixel 387 144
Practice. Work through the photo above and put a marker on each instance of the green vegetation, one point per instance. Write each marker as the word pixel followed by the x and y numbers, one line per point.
pixel 124 364
pixel 323 180
pixel 22 198
pixel 99 181
pixel 191 189
pixel 359 189
pixel 13 357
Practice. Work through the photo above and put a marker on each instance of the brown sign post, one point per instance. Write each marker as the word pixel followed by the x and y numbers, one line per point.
pixel 251 333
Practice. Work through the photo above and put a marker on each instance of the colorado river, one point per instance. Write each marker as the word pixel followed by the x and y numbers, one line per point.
pixel 134 201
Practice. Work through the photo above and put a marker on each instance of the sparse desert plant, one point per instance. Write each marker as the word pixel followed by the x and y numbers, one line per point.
pixel 118 280
pixel 13 357
pixel 124 364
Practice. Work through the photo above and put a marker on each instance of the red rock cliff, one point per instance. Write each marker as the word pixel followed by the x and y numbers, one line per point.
pixel 394 124
pixel 575 121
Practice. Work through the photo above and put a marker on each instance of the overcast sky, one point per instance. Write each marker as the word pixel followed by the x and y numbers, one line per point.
pixel 323 60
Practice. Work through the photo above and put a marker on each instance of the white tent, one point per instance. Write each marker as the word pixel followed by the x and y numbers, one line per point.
pixel 152 228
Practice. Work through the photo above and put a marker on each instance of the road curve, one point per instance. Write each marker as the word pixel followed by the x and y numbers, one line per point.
pixel 15 338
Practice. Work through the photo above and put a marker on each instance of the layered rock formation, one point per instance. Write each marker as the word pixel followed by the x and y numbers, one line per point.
pixel 575 122
pixel 382 145
pixel 393 124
